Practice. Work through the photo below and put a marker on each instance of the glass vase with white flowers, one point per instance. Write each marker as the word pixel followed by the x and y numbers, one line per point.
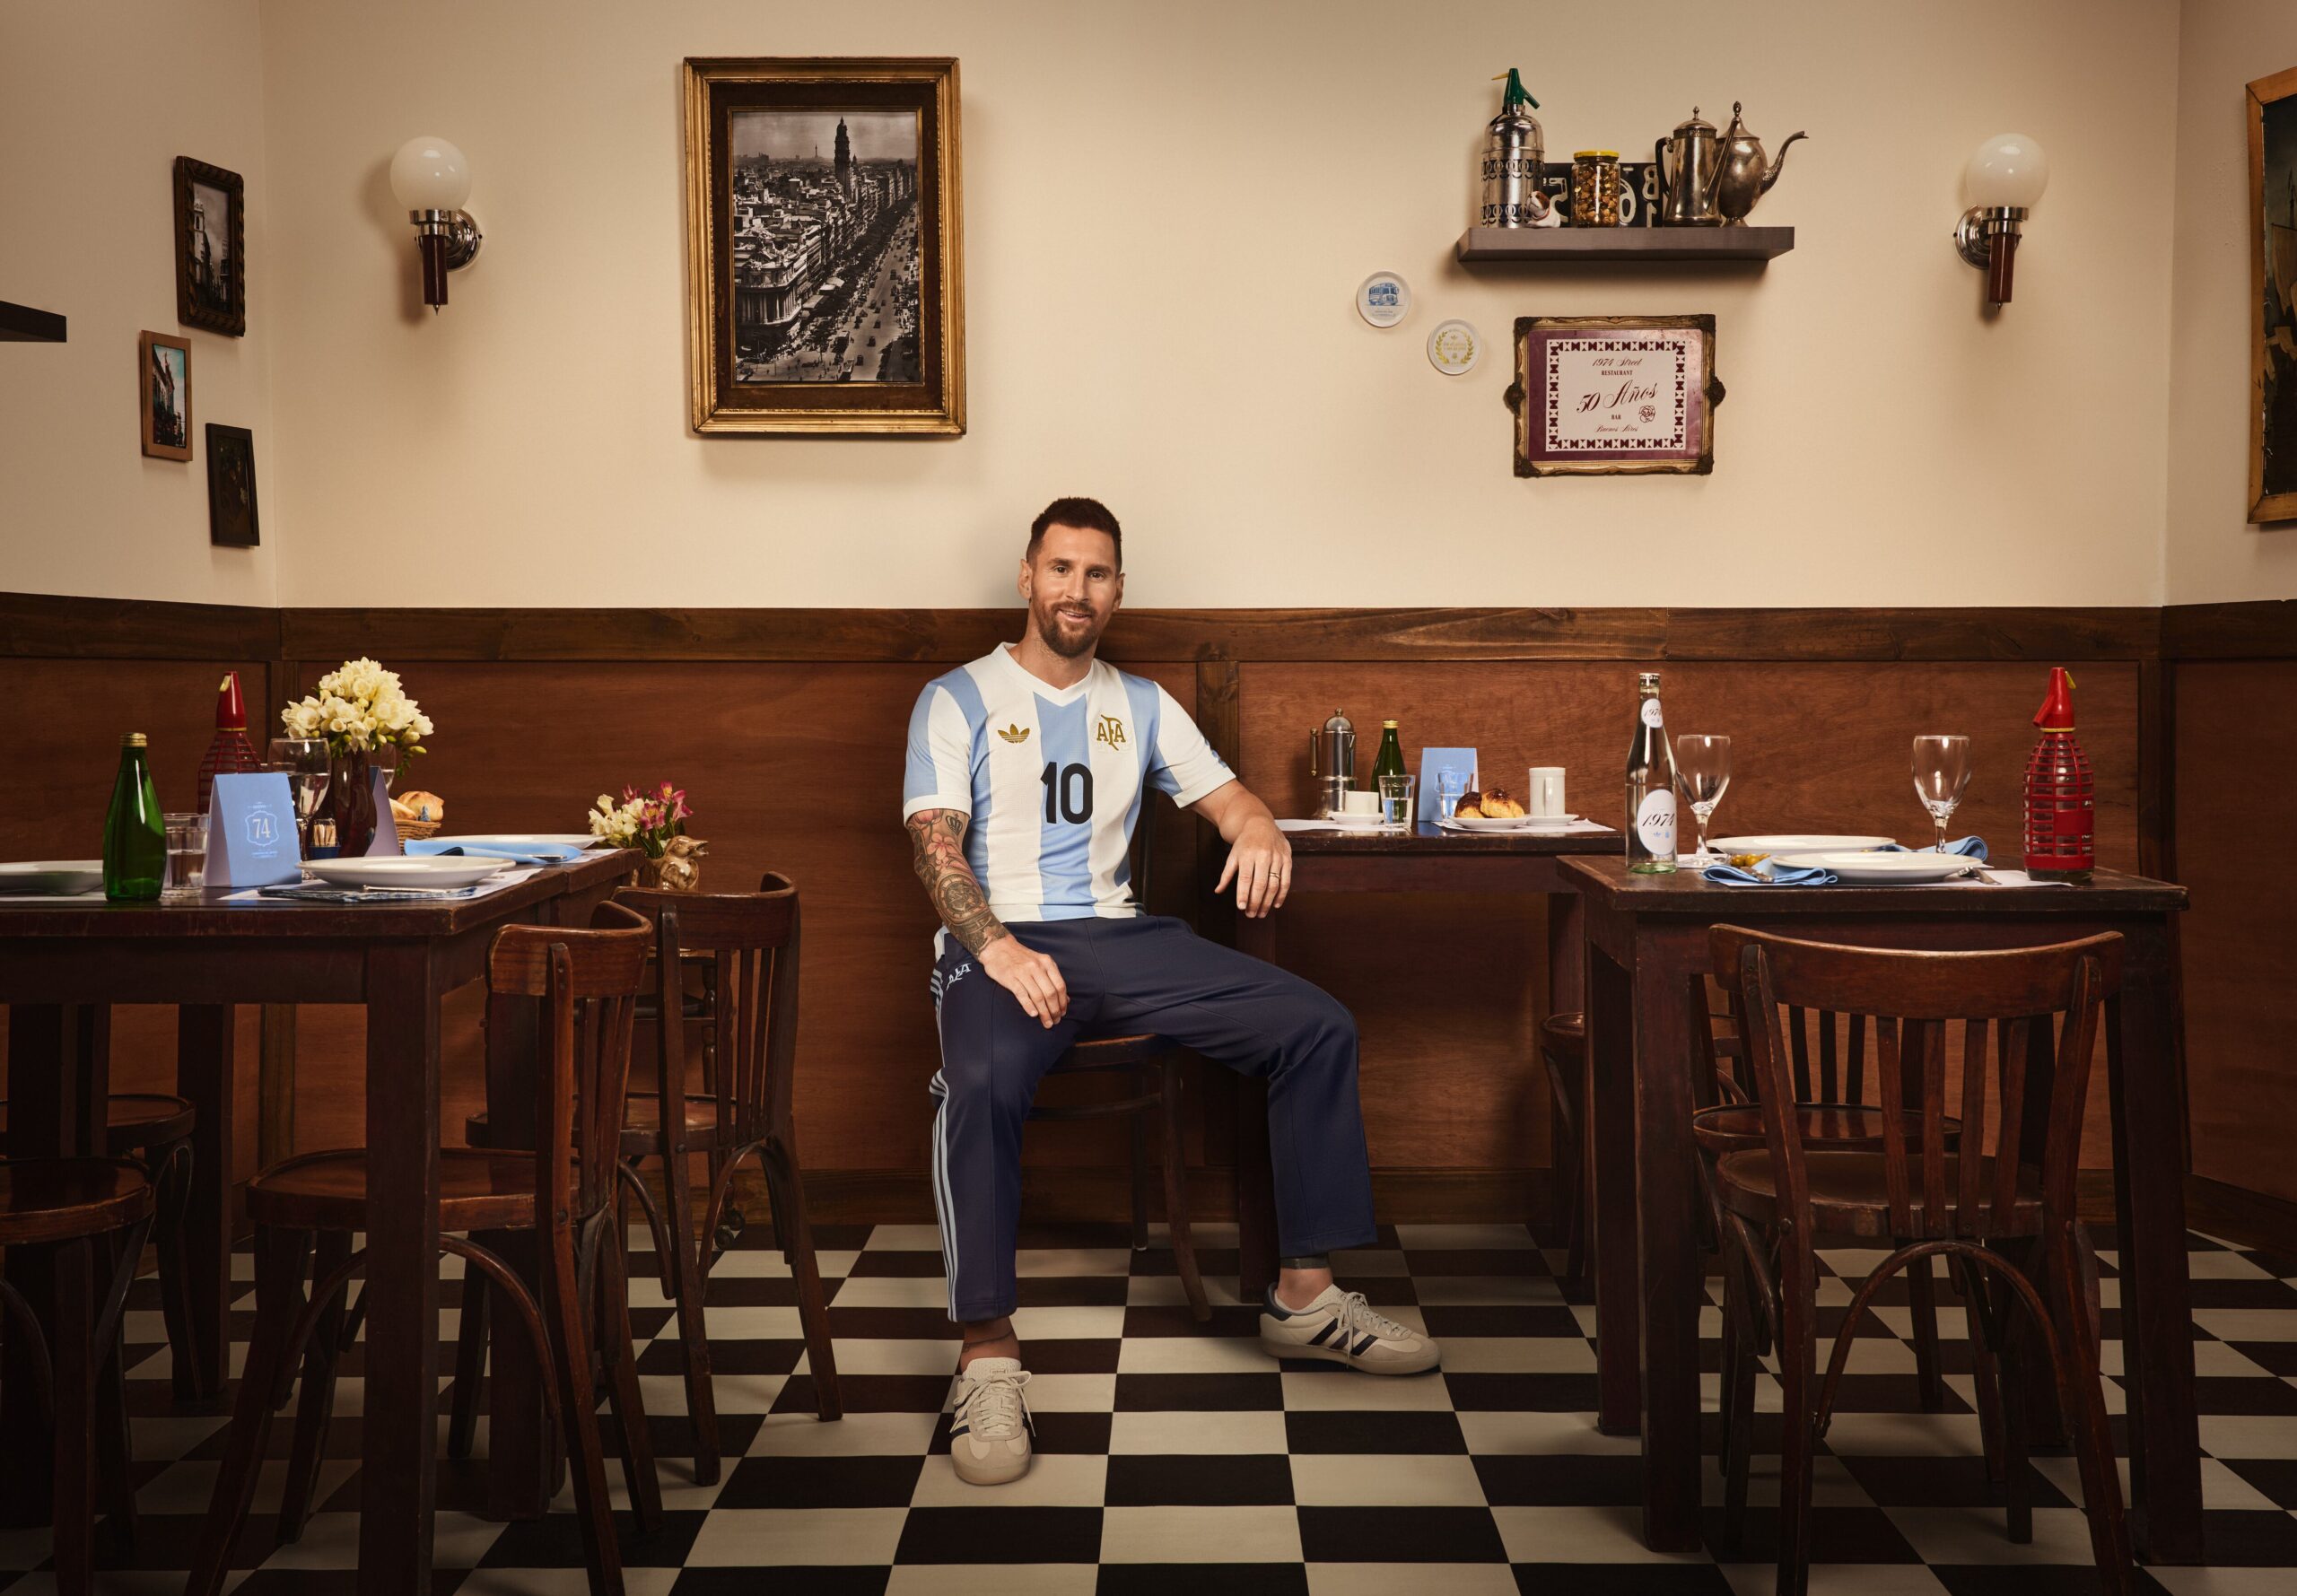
pixel 365 715
pixel 653 824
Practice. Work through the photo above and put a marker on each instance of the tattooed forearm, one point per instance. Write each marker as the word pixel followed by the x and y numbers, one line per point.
pixel 936 840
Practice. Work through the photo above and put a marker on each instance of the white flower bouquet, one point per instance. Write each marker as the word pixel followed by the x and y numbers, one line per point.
pixel 361 709
pixel 645 821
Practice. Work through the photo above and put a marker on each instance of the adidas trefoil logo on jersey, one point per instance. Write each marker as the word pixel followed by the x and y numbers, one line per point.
pixel 1015 734
pixel 1110 731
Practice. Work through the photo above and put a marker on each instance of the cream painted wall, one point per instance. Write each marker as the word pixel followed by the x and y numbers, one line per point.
pixel 97 100
pixel 1166 208
pixel 2214 553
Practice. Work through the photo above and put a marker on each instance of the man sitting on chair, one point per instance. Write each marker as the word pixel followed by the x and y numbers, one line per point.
pixel 1027 769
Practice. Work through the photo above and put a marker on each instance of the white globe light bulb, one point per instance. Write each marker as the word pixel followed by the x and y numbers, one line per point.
pixel 2007 170
pixel 430 174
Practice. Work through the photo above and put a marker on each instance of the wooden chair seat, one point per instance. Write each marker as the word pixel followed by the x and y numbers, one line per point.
pixel 1737 1127
pixel 1112 1052
pixel 641 1125
pixel 1850 1191
pixel 135 1120
pixel 65 1200
pixel 479 1189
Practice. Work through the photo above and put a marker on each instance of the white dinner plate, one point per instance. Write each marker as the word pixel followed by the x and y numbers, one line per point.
pixel 1354 822
pixel 1795 843
pixel 433 873
pixel 62 876
pixel 1484 823
pixel 1883 868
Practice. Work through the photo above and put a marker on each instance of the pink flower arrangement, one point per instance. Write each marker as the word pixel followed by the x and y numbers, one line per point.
pixel 644 821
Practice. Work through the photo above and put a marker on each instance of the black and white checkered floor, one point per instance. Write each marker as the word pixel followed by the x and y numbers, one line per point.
pixel 1162 1443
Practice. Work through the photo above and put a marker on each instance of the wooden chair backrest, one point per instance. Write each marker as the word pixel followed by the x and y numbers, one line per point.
pixel 753 938
pixel 2030 1022
pixel 585 984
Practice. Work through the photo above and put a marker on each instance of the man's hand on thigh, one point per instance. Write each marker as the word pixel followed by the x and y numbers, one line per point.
pixel 1032 977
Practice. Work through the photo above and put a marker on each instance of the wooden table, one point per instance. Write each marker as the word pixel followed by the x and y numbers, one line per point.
pixel 1647 937
pixel 63 965
pixel 1425 859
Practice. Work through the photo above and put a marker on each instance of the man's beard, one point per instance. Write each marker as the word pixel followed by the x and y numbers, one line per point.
pixel 1049 634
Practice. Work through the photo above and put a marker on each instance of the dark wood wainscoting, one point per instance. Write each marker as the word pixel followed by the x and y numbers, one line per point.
pixel 2235 755
pixel 785 726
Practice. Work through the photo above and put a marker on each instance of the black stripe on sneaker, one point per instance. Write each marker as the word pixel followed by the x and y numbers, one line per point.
pixel 1323 1335
pixel 1365 1346
pixel 957 1430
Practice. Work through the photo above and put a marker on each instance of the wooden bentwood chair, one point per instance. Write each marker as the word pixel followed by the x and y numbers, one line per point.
pixel 93 1215
pixel 1152 1067
pixel 751 940
pixel 586 984
pixel 2005 1219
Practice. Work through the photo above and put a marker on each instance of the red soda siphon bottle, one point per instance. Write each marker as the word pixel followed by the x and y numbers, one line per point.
pixel 228 750
pixel 2061 807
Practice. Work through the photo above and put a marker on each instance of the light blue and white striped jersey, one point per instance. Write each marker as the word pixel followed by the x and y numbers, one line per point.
pixel 1053 777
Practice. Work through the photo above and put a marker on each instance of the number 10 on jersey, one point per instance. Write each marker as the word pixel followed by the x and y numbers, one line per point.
pixel 1068 793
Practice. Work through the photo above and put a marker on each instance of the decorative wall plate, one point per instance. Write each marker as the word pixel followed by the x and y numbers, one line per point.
pixel 1454 347
pixel 1382 298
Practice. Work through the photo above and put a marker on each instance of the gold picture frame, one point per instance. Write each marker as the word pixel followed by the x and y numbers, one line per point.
pixel 163 392
pixel 808 309
pixel 2273 298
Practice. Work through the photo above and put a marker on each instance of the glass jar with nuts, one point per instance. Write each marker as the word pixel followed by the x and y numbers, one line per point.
pixel 1595 188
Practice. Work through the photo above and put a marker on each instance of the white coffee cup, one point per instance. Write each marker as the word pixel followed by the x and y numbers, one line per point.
pixel 1360 801
pixel 1546 791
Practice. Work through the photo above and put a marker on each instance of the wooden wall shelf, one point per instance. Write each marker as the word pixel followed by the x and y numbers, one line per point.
pixel 1577 245
pixel 21 324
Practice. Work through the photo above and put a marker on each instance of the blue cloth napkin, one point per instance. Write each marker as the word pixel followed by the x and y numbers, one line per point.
pixel 534 854
pixel 1803 876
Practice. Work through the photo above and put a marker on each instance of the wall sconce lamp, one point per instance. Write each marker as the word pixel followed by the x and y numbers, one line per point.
pixel 431 180
pixel 2004 179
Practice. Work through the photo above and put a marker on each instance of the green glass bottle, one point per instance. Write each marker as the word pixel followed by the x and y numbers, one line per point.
pixel 136 841
pixel 1390 762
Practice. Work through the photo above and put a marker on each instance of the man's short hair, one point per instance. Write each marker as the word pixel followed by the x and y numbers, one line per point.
pixel 1089 514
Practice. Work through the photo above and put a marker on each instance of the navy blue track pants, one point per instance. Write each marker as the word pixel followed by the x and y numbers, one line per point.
pixel 1148 974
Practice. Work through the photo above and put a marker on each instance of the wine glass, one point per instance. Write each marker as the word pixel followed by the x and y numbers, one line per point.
pixel 304 761
pixel 1702 770
pixel 1942 769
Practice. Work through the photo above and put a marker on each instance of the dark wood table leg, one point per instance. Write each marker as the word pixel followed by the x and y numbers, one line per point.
pixel 205 1073
pixel 1674 1270
pixel 1611 1062
pixel 1255 1176
pixel 397 1476
pixel 2157 1299
pixel 58 1074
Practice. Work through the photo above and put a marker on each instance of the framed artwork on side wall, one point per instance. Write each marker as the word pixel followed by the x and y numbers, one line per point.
pixel 824 246
pixel 211 248
pixel 2273 276
pixel 163 384
pixel 230 487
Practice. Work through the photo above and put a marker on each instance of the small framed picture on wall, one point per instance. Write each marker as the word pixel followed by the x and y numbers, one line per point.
pixel 1614 395
pixel 211 248
pixel 164 365
pixel 230 487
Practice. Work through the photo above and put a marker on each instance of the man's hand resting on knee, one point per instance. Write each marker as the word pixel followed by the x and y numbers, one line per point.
pixel 1029 975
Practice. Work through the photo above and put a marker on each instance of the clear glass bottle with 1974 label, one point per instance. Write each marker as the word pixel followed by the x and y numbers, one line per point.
pixel 1650 787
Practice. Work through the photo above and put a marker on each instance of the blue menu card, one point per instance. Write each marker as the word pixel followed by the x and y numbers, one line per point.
pixel 1433 763
pixel 251 831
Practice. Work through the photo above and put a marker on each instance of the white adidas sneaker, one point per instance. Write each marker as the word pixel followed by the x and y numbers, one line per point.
pixel 989 1433
pixel 1340 1327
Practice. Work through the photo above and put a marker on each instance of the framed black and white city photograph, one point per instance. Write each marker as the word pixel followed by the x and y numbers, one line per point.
pixel 211 248
pixel 824 246
pixel 165 368
pixel 230 487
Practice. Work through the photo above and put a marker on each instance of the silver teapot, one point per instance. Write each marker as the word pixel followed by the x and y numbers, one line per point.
pixel 1745 176
pixel 1689 161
